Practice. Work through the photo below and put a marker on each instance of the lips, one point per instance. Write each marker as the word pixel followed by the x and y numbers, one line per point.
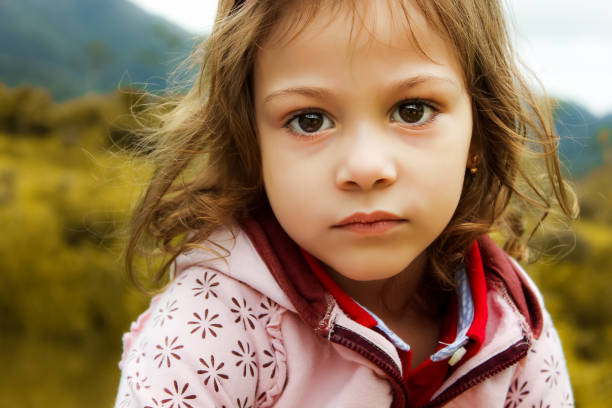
pixel 363 218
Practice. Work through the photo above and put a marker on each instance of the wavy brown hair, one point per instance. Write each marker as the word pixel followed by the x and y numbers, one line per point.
pixel 207 160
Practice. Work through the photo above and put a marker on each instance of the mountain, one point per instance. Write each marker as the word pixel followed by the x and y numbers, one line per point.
pixel 584 137
pixel 76 46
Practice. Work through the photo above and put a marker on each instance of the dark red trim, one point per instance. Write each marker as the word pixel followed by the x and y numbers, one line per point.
pixel 283 258
pixel 367 349
pixel 489 368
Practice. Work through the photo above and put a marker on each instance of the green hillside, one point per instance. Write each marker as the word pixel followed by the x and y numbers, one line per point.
pixel 72 47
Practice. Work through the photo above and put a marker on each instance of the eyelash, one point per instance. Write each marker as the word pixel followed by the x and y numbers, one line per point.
pixel 308 136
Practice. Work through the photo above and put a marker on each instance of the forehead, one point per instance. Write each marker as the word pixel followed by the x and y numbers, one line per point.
pixel 393 37
pixel 382 21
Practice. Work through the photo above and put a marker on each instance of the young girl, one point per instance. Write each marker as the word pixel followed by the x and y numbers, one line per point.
pixel 324 194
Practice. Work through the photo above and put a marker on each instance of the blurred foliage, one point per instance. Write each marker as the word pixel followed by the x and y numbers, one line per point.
pixel 66 185
pixel 67 182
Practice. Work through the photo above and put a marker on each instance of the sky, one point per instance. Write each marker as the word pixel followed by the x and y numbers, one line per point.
pixel 568 44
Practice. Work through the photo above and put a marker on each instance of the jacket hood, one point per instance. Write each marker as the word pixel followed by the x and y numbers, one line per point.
pixel 272 263
pixel 216 254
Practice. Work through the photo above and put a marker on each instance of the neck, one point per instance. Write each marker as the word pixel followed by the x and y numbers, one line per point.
pixel 396 295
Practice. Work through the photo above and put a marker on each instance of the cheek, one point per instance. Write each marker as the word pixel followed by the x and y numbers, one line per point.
pixel 293 202
pixel 289 184
pixel 279 176
pixel 440 196
pixel 440 183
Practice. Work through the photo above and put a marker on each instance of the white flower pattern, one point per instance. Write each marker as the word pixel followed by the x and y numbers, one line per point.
pixel 165 313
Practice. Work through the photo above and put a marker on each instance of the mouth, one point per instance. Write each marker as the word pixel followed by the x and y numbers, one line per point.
pixel 373 223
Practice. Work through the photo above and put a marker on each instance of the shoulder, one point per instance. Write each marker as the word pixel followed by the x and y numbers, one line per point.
pixel 208 339
pixel 541 378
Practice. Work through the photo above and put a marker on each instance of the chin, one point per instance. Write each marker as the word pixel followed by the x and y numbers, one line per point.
pixel 368 271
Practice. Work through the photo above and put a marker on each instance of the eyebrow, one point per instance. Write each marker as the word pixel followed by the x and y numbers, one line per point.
pixel 397 86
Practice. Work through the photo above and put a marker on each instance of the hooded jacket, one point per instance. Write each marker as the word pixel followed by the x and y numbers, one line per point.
pixel 256 328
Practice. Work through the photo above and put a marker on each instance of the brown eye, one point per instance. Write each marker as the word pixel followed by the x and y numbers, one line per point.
pixel 309 122
pixel 414 113
pixel 411 113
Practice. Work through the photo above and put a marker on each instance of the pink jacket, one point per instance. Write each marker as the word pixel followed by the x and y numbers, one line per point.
pixel 257 329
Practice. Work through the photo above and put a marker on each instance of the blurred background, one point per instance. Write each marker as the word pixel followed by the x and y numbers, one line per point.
pixel 71 73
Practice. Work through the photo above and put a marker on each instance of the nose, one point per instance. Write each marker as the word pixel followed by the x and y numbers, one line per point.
pixel 366 164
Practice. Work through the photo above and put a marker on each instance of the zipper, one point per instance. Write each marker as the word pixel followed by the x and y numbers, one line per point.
pixel 496 364
pixel 492 366
pixel 341 335
pixel 509 357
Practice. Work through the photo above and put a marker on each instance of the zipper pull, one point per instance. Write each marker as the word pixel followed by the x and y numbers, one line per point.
pixel 457 356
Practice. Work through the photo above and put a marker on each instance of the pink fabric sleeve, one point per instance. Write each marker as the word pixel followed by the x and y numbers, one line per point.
pixel 207 341
pixel 541 380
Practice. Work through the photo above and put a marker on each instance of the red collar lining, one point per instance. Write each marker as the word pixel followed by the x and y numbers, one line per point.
pixel 478 287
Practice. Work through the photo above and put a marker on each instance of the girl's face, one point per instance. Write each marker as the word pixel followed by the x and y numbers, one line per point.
pixel 360 125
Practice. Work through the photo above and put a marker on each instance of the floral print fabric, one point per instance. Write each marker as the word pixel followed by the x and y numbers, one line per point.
pixel 541 379
pixel 207 341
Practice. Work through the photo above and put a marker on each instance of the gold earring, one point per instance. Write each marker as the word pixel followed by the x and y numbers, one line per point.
pixel 474 168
